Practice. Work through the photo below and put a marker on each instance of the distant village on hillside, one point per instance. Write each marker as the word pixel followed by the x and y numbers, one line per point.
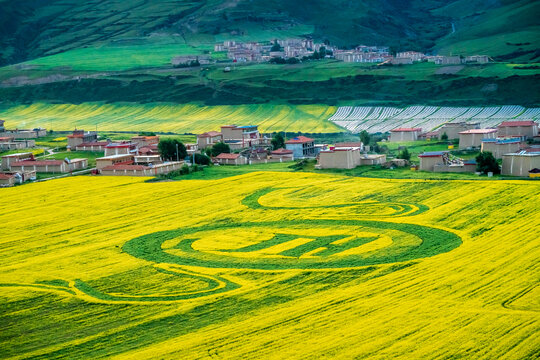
pixel 300 49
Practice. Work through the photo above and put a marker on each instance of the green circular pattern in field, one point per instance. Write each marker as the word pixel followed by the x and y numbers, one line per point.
pixel 296 244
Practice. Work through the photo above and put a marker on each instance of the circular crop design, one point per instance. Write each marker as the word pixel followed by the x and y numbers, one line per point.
pixel 315 242
pixel 282 245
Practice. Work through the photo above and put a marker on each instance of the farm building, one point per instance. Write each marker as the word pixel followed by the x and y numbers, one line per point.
pixel 357 144
pixel 500 146
pixel 519 164
pixel 114 160
pixel 149 150
pixel 141 141
pixel 452 130
pixel 480 59
pixel 141 170
pixel 458 166
pixel 240 137
pixel 7 160
pixel 189 59
pixel 511 128
pixel 25 134
pixel 430 135
pixel 8 179
pixel 79 137
pixel 372 159
pixel 92 146
pixel 301 146
pixel 474 137
pixel 147 159
pixel 282 154
pixel 49 166
pixel 208 139
pixel 448 60
pixel 413 55
pixel 339 158
pixel 347 157
pixel 121 148
pixel 429 159
pixel 231 159
pixel 9 143
pixel 405 134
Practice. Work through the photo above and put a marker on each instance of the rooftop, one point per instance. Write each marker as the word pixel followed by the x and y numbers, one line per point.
pixel 18 154
pixel 282 151
pixel 97 143
pixel 406 129
pixel 517 123
pixel 226 156
pixel 38 163
pixel 126 167
pixel 210 134
pixel 433 153
pixel 299 140
pixel 478 131
pixel 115 157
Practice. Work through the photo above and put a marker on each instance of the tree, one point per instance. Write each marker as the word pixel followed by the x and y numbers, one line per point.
pixel 220 148
pixel 364 137
pixel 444 137
pixel 278 141
pixel 201 159
pixel 404 154
pixel 276 46
pixel 168 149
pixel 486 162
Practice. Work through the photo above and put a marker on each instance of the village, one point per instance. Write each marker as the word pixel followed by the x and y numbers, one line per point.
pixel 515 144
pixel 300 49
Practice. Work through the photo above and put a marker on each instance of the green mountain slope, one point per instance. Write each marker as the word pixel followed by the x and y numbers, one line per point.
pixel 31 29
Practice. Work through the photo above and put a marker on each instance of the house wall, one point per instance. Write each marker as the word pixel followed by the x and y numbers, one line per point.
pixel 42 168
pixel 91 148
pixel 474 140
pixel 74 141
pixel 8 160
pixel 455 169
pixel 428 163
pixel 110 151
pixel 104 162
pixel 7 182
pixel 339 159
pixel 403 136
pixel 519 165
pixel 528 131
pixel 498 150
pixel 373 160
pixel 452 130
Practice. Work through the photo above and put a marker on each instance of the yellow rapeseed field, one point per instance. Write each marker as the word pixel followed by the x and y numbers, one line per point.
pixel 166 117
pixel 270 265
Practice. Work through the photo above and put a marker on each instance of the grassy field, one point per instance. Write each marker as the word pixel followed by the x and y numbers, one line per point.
pixel 170 117
pixel 270 265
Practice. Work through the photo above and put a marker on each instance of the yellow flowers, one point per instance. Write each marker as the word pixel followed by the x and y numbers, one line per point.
pixel 165 117
pixel 269 265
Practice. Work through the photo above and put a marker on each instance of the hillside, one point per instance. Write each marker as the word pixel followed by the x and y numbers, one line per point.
pixel 31 29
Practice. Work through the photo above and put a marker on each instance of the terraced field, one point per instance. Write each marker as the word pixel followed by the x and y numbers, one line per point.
pixel 270 265
pixel 382 119
pixel 170 117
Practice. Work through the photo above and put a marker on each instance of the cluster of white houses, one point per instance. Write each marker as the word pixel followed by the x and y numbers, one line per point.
pixel 507 142
pixel 18 139
pixel 244 52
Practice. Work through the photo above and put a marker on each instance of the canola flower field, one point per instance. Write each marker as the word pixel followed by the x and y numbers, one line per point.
pixel 270 265
pixel 176 118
